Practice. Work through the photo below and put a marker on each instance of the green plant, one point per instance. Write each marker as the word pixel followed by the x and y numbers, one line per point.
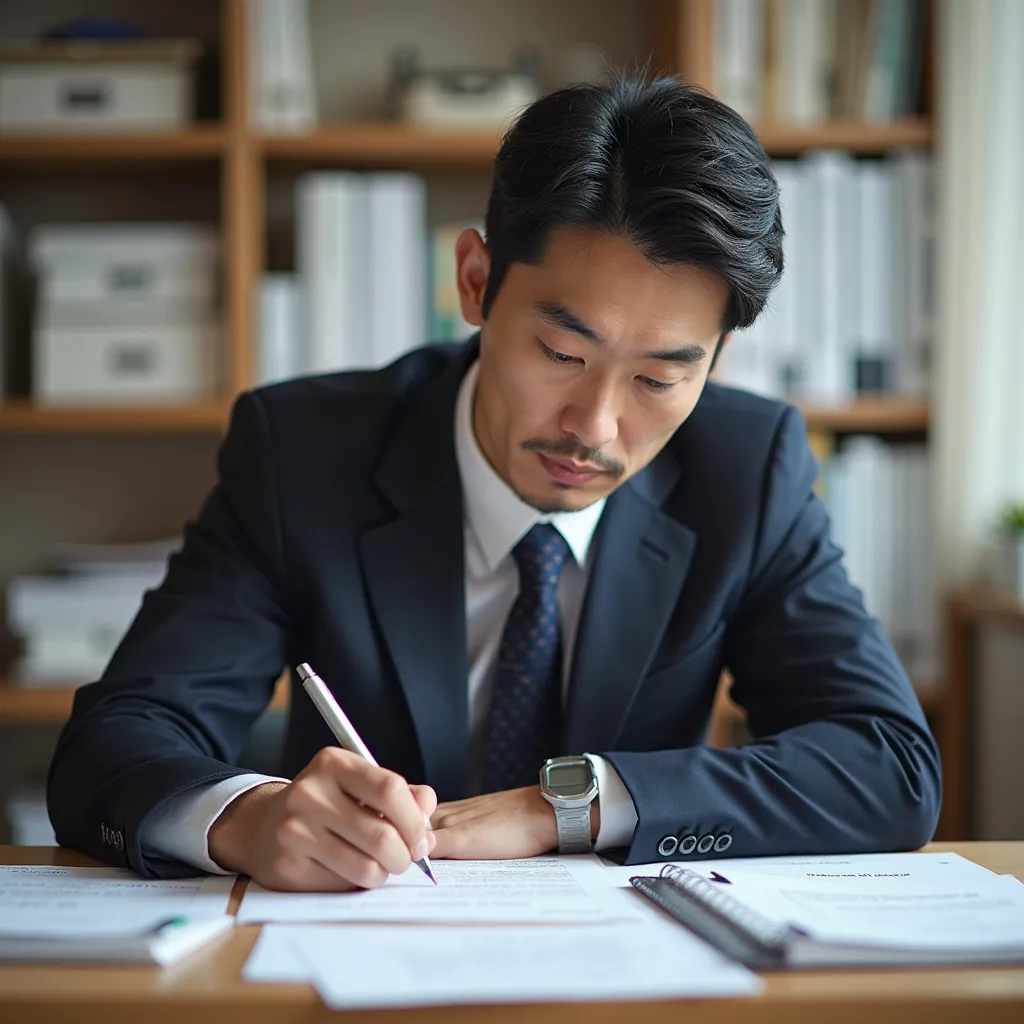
pixel 1013 518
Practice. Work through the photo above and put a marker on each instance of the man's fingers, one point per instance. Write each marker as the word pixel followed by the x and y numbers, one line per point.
pixel 426 798
pixel 377 788
pixel 372 835
pixel 447 844
pixel 344 857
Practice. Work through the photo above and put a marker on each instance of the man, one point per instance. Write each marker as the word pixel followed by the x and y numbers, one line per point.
pixel 544 543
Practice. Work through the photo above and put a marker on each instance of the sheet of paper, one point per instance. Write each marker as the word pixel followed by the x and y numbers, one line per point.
pixel 902 866
pixel 935 913
pixel 537 890
pixel 364 966
pixel 274 958
pixel 29 893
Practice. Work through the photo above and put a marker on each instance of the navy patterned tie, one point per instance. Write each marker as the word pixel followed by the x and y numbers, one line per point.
pixel 524 721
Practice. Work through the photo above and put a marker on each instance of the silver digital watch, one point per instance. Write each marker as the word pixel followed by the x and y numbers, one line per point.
pixel 570 786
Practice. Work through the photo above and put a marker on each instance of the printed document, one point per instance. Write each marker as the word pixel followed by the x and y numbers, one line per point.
pixel 907 867
pixel 367 966
pixel 979 913
pixel 27 892
pixel 534 890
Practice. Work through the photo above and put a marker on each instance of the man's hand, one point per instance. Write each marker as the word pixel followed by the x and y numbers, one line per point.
pixel 499 826
pixel 343 823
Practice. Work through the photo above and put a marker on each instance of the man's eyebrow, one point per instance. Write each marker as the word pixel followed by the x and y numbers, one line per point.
pixel 564 319
pixel 689 355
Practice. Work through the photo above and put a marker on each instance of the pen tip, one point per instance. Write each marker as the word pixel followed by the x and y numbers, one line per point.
pixel 428 871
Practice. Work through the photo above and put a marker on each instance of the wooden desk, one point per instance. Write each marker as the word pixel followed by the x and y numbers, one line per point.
pixel 206 987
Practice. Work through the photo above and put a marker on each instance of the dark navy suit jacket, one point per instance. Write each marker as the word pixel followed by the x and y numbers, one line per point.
pixel 335 536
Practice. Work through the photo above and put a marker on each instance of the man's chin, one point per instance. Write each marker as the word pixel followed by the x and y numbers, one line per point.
pixel 559 498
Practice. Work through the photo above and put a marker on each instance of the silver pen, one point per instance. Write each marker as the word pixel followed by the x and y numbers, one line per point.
pixel 344 731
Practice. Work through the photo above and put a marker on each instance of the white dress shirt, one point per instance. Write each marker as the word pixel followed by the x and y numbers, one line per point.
pixel 496 519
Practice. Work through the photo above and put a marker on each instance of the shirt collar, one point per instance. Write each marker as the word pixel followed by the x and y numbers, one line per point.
pixel 498 517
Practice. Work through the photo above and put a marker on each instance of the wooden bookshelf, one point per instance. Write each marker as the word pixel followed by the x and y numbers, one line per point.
pixel 395 145
pixel 21 416
pixel 200 142
pixel 52 705
pixel 877 415
pixel 854 136
pixel 385 145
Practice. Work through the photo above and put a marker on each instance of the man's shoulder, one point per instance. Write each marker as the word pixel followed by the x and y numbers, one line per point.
pixel 728 422
pixel 367 400
pixel 392 383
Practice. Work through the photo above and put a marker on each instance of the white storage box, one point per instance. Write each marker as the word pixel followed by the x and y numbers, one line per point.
pixel 61 88
pixel 116 244
pixel 133 281
pixel 129 365
pixel 37 603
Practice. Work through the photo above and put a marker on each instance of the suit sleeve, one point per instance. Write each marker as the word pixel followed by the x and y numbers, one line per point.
pixel 194 671
pixel 842 759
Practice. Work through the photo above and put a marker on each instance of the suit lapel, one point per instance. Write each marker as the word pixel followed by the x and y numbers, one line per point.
pixel 639 566
pixel 414 569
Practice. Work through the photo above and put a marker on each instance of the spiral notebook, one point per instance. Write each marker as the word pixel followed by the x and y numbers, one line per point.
pixel 770 923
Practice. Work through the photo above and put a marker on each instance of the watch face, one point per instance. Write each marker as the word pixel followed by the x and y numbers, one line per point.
pixel 569 779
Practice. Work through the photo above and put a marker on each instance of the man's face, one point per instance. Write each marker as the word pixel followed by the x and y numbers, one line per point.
pixel 589 363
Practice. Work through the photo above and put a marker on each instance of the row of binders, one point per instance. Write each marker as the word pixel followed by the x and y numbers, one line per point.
pixel 812 61
pixel 371 282
pixel 489 931
pixel 878 496
pixel 854 312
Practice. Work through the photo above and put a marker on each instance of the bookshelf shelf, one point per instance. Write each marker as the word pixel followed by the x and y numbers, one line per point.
pixel 857 137
pixel 202 142
pixel 874 415
pixel 53 704
pixel 395 145
pixel 20 416
pixel 385 145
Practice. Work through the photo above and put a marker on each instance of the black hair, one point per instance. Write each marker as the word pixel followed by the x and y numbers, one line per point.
pixel 663 165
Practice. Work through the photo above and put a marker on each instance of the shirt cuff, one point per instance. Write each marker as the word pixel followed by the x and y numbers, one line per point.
pixel 180 828
pixel 618 813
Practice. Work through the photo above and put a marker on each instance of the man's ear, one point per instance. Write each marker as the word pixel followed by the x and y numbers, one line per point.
pixel 472 267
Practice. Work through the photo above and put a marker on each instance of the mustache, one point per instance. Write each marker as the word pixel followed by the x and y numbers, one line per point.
pixel 570 448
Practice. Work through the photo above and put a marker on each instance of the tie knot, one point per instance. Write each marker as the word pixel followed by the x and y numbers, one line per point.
pixel 541 554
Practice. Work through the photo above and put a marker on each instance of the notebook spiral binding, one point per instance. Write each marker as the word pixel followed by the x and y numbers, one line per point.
pixel 716 897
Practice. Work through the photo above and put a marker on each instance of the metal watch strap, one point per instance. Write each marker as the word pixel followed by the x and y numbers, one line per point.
pixel 573 829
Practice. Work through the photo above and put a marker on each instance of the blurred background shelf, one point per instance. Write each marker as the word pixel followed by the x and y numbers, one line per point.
pixel 201 142
pixel 857 137
pixel 880 414
pixel 21 416
pixel 394 145
pixel 52 705
pixel 385 145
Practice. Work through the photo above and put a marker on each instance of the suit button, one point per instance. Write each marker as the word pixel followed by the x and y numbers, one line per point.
pixel 723 842
pixel 705 844
pixel 668 846
pixel 688 845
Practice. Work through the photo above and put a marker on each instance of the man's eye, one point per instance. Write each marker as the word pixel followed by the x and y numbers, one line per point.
pixel 657 385
pixel 556 357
